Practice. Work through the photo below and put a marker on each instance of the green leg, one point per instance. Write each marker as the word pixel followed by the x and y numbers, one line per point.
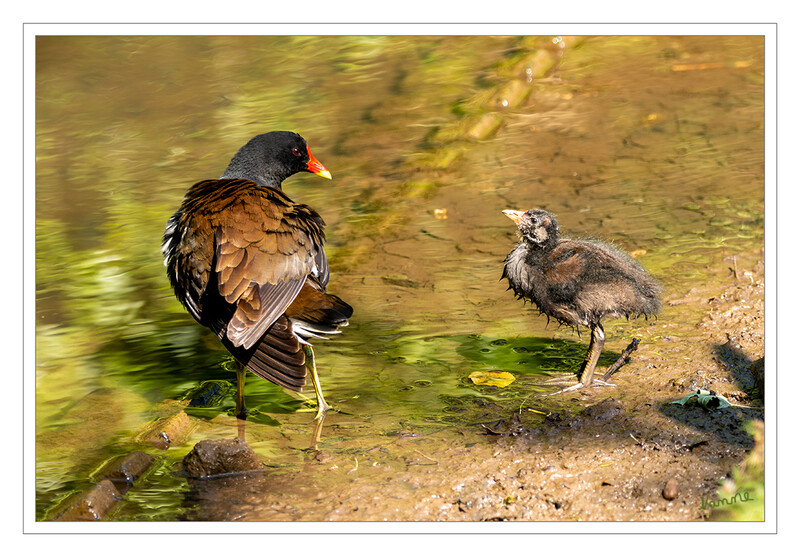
pixel 322 406
pixel 315 438
pixel 595 348
pixel 241 411
pixel 587 371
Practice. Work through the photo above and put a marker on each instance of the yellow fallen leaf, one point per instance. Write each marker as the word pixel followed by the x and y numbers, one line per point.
pixel 496 378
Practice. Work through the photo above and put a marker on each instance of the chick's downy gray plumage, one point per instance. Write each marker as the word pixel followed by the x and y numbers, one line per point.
pixel 576 282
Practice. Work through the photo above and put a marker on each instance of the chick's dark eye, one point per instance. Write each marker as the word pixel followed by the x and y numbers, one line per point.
pixel 296 152
pixel 534 220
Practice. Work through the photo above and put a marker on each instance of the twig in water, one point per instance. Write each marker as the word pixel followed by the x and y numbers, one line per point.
pixel 490 430
pixel 426 456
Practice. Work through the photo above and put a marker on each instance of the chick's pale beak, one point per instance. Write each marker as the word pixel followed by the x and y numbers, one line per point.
pixel 317 167
pixel 514 215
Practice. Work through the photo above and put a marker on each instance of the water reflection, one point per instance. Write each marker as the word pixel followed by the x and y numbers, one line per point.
pixel 614 142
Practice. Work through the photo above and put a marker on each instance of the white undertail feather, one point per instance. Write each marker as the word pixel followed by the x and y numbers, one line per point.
pixel 171 224
pixel 304 330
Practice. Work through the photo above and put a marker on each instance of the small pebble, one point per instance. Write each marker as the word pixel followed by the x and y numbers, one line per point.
pixel 670 490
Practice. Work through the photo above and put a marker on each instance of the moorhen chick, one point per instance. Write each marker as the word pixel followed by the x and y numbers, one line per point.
pixel 576 282
pixel 249 264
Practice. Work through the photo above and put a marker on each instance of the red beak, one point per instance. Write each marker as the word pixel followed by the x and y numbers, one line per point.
pixel 516 216
pixel 316 167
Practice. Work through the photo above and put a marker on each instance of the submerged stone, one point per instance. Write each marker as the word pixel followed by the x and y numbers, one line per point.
pixel 606 410
pixel 124 470
pixel 127 468
pixel 208 393
pixel 92 504
pixel 168 431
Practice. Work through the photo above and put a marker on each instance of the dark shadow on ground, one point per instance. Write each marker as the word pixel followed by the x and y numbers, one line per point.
pixel 724 424
pixel 743 369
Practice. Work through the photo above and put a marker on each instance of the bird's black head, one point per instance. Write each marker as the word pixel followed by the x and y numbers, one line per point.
pixel 268 159
pixel 539 228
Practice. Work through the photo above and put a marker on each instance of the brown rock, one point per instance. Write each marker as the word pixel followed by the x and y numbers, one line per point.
pixel 213 457
pixel 168 431
pixel 670 490
pixel 92 504
pixel 608 409
pixel 126 468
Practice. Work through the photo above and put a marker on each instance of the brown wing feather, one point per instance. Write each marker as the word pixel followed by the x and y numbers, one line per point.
pixel 314 305
pixel 278 358
pixel 258 308
pixel 237 256
pixel 261 244
pixel 278 244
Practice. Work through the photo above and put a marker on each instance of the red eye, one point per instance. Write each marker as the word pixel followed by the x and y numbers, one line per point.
pixel 296 152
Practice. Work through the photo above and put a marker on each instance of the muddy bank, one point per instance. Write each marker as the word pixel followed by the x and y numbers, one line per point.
pixel 599 454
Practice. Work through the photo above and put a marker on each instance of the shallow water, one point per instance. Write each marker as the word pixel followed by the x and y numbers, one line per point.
pixel 654 143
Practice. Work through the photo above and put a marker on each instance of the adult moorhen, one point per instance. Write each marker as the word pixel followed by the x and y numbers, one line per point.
pixel 248 263
pixel 576 282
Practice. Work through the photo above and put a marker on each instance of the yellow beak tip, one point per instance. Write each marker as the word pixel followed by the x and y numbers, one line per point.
pixel 326 174
pixel 514 215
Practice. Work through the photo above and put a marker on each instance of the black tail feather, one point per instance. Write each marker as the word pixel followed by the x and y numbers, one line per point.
pixel 278 357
